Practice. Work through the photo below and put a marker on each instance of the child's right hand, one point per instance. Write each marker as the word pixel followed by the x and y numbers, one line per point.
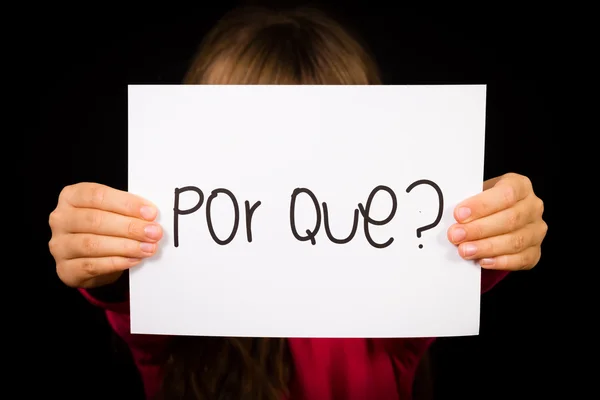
pixel 98 232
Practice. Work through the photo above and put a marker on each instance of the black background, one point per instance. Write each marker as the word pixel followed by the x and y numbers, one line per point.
pixel 82 61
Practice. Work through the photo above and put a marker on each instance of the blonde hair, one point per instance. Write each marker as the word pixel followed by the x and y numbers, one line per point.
pixel 302 46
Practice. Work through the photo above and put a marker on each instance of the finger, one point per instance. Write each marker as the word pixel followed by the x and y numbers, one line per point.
pixel 92 246
pixel 524 260
pixel 77 271
pixel 490 183
pixel 507 191
pixel 505 221
pixel 97 196
pixel 99 222
pixel 511 243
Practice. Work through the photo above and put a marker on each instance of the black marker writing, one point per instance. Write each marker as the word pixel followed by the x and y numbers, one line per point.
pixel 310 235
pixel 209 221
pixel 368 220
pixel 236 221
pixel 249 214
pixel 177 212
pixel 438 218
pixel 328 230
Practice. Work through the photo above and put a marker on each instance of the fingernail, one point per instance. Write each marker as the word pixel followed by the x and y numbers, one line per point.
pixel 147 247
pixel 463 213
pixel 135 260
pixel 148 212
pixel 487 261
pixel 469 250
pixel 458 235
pixel 152 231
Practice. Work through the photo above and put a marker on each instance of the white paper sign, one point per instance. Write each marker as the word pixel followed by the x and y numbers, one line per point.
pixel 372 169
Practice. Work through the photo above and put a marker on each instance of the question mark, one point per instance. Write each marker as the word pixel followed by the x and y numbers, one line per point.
pixel 422 229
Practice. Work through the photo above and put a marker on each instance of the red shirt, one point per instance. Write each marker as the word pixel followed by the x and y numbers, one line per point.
pixel 324 369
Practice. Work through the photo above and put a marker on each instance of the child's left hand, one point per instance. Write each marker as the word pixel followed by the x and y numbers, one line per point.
pixel 502 227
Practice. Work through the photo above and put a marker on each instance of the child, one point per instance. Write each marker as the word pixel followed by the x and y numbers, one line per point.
pixel 98 232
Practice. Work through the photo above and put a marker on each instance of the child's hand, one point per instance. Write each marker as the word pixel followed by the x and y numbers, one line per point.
pixel 98 232
pixel 502 227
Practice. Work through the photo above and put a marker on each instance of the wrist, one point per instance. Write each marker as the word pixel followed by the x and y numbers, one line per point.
pixel 115 289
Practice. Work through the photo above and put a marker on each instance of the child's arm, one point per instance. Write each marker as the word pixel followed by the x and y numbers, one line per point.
pixel 149 352
pixel 490 277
